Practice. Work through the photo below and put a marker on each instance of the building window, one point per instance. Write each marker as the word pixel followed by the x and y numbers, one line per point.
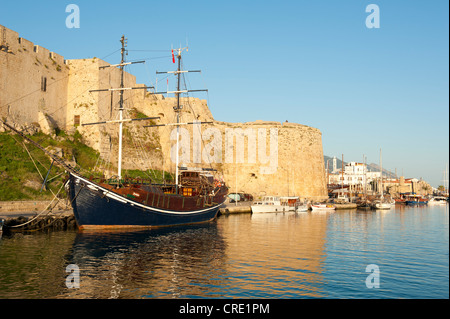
pixel 76 120
pixel 44 84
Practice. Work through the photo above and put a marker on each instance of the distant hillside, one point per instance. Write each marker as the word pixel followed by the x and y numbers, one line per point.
pixel 372 167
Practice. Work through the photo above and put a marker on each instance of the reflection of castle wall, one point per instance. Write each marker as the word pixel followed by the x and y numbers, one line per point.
pixel 263 251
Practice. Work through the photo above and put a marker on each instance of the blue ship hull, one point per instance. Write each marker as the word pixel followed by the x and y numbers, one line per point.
pixel 97 207
pixel 414 202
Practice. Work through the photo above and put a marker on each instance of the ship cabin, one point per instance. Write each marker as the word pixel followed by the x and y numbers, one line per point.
pixel 196 181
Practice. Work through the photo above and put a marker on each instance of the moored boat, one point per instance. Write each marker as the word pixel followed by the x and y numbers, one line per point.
pixel 438 200
pixel 194 198
pixel 118 202
pixel 302 208
pixel 322 207
pixel 380 204
pixel 102 205
pixel 275 204
pixel 415 199
pixel 364 204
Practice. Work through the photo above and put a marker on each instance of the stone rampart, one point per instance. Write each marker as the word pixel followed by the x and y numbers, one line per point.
pixel 32 80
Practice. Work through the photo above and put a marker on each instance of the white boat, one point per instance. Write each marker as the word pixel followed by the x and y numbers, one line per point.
pixel 438 200
pixel 275 204
pixel 381 205
pixel 322 207
pixel 302 208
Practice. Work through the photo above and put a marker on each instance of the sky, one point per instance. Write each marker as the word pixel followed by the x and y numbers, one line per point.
pixel 310 62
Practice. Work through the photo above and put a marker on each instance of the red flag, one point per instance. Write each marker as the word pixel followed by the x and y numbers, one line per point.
pixel 173 57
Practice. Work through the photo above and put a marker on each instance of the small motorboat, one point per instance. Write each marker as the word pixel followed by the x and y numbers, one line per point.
pixel 322 207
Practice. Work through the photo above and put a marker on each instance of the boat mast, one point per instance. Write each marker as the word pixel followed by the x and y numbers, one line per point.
pixel 381 174
pixel 177 110
pixel 121 120
pixel 365 177
pixel 342 173
pixel 178 107
pixel 122 61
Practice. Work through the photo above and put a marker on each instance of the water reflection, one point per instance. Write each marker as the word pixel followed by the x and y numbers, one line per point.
pixel 32 265
pixel 169 263
pixel 275 255
pixel 283 255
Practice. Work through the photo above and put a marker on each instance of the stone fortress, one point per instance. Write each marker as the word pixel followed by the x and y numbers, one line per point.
pixel 40 89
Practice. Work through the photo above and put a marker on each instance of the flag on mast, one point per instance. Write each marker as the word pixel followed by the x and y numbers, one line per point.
pixel 173 57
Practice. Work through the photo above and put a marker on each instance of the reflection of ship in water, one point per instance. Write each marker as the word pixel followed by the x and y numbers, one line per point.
pixel 160 263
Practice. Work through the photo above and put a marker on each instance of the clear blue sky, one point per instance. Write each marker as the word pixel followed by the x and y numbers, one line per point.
pixel 309 62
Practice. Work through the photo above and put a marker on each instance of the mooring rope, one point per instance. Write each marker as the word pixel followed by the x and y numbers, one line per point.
pixel 35 217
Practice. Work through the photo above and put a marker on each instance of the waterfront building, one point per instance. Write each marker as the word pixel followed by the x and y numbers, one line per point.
pixel 355 175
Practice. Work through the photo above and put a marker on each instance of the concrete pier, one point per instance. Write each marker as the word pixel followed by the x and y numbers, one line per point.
pixel 236 208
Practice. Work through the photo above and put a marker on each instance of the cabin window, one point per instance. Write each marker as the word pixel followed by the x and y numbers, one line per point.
pixel 187 191
pixel 76 120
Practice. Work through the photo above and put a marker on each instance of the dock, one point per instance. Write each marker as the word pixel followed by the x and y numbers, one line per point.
pixel 236 208
pixel 26 221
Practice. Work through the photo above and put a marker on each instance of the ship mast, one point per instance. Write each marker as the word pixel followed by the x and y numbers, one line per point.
pixel 121 120
pixel 178 108
pixel 122 61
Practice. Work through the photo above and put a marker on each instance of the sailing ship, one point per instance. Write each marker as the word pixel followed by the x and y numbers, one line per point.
pixel 119 202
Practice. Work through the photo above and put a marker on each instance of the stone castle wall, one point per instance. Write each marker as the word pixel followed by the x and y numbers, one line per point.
pixel 32 80
pixel 235 150
pixel 241 151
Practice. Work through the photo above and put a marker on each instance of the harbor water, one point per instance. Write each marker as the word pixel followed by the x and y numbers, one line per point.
pixel 399 253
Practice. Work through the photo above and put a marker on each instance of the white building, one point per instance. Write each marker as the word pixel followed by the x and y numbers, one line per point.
pixel 354 174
